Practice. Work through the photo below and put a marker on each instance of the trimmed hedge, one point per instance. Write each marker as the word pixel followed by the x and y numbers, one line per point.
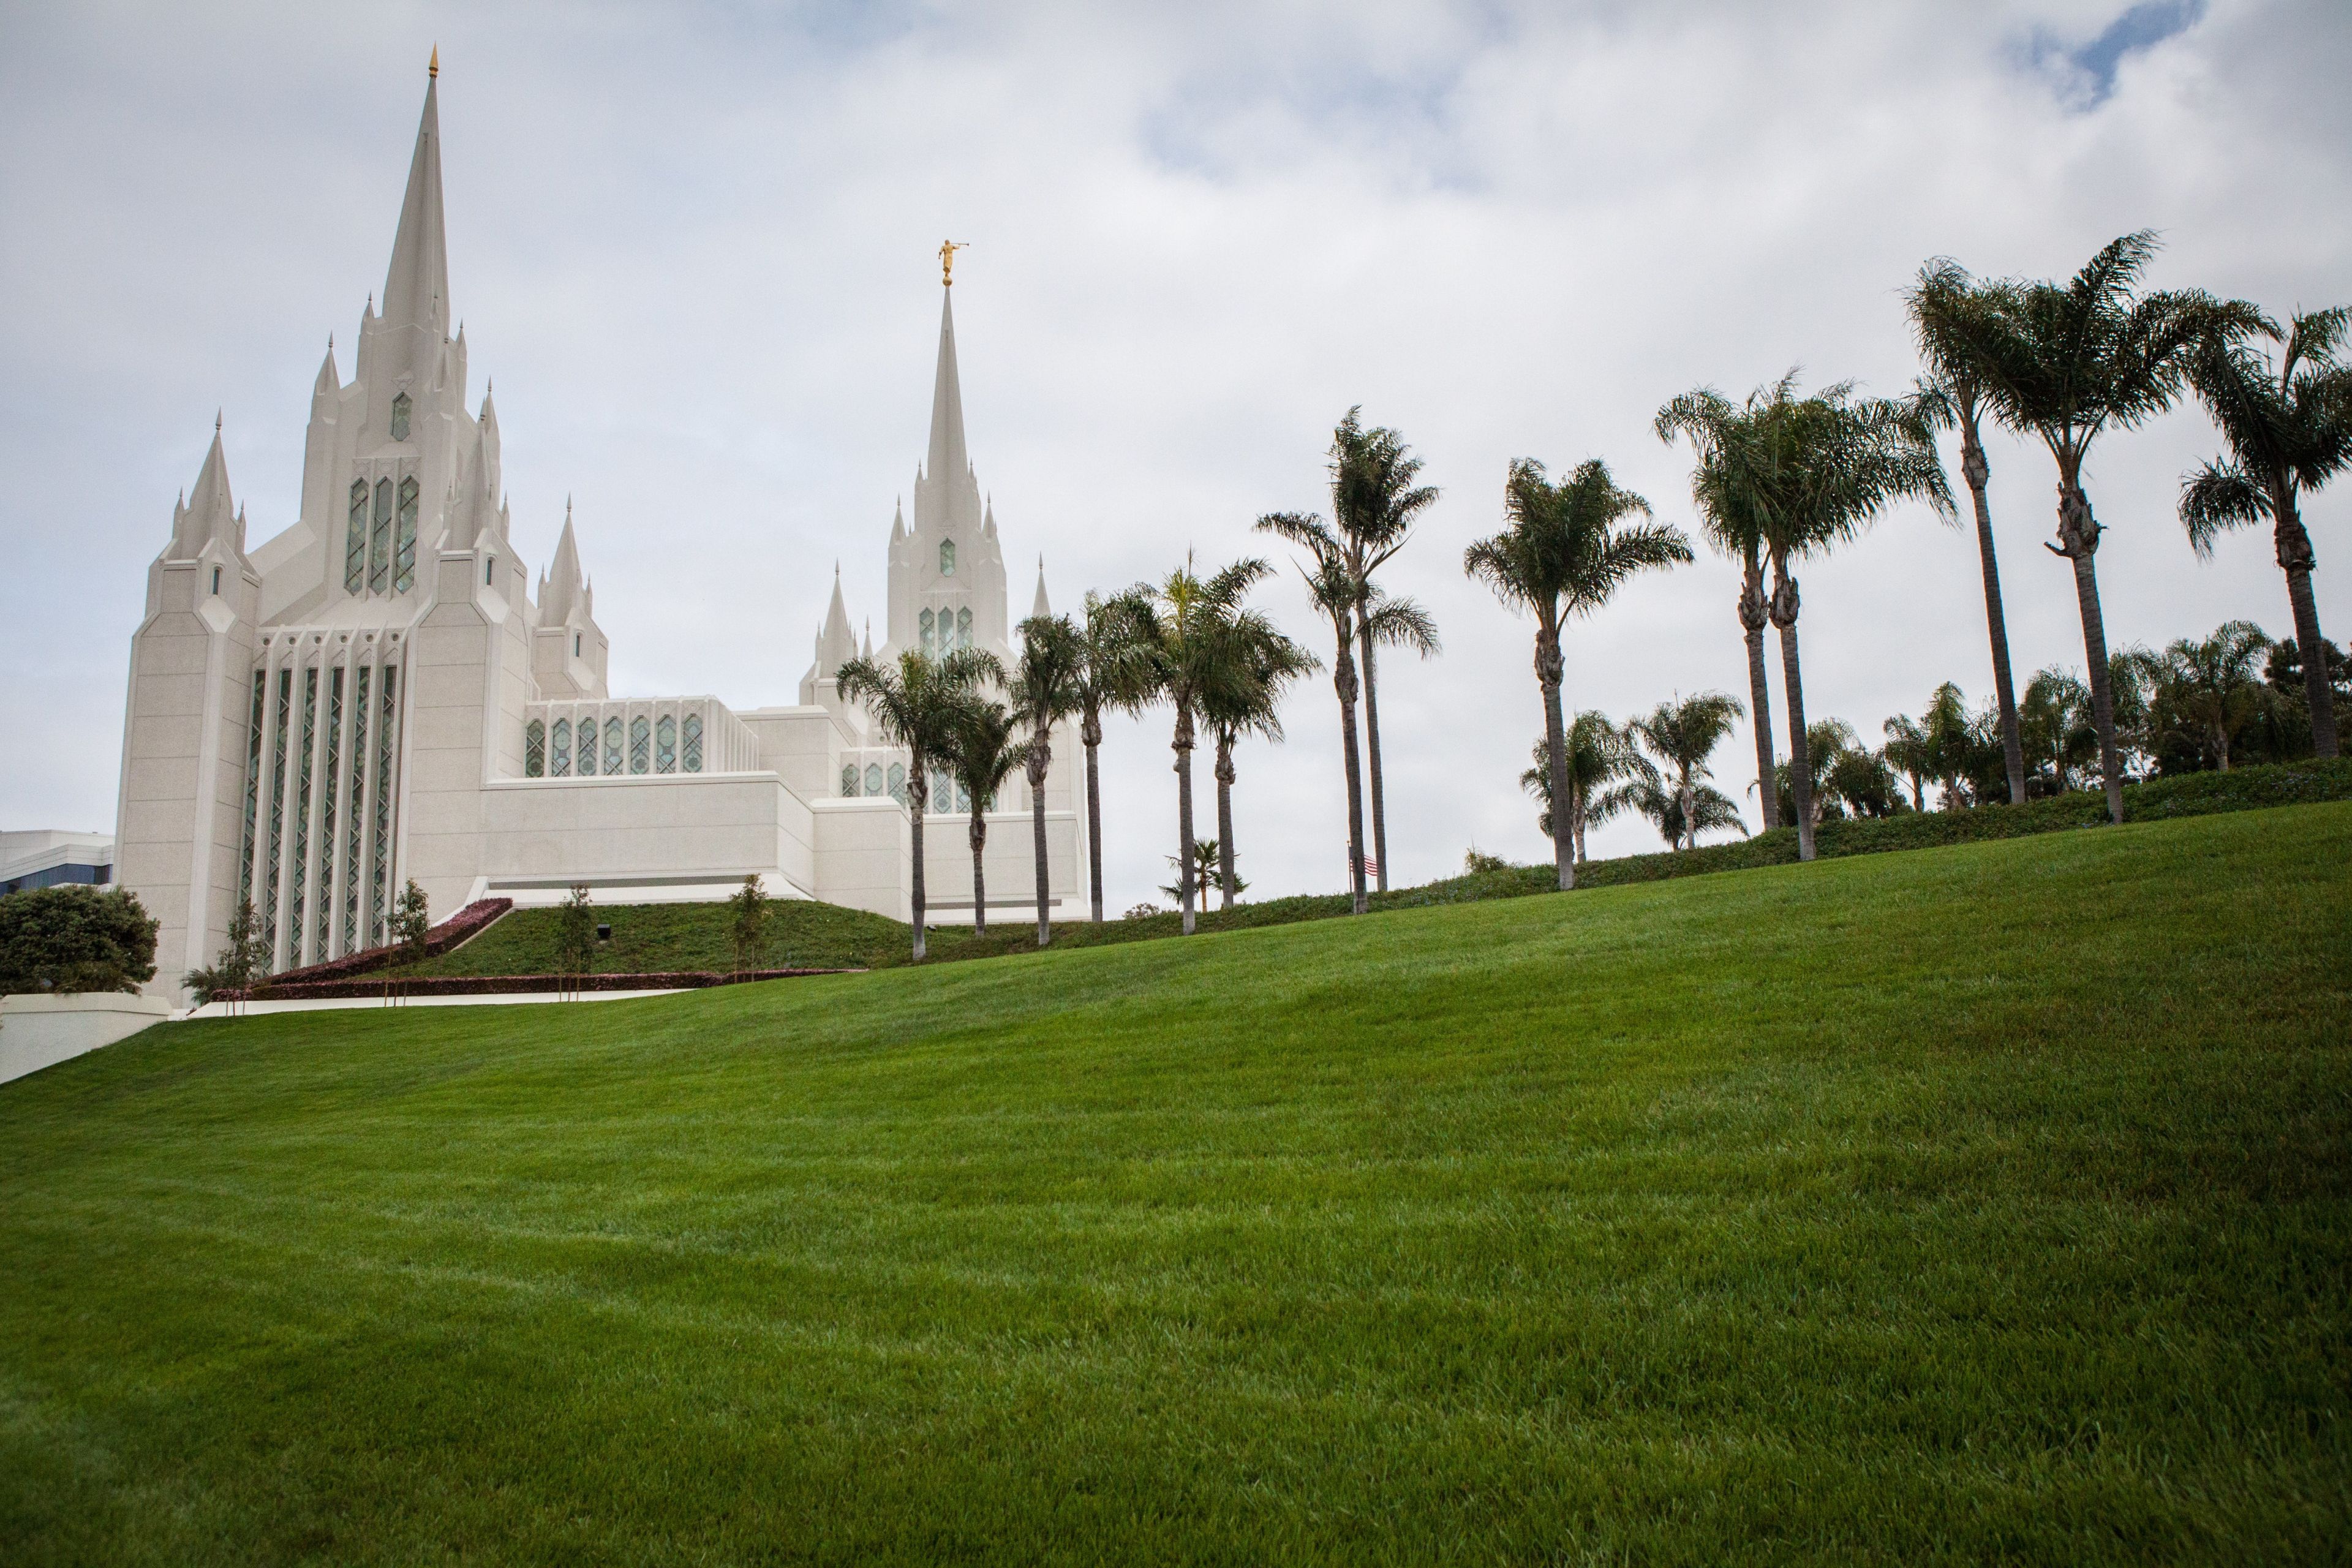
pixel 457 929
pixel 501 984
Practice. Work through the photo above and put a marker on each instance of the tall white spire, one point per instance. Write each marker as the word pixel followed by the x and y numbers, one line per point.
pixel 209 513
pixel 563 585
pixel 416 286
pixel 947 456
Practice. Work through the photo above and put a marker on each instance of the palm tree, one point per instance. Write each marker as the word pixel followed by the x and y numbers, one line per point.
pixel 914 703
pixel 1563 552
pixel 1209 861
pixel 1258 663
pixel 982 749
pixel 1114 675
pixel 1837 759
pixel 1046 690
pixel 1600 755
pixel 2286 433
pixel 1910 752
pixel 1648 794
pixel 2053 722
pixel 2067 362
pixel 1182 622
pixel 1374 504
pixel 2209 689
pixel 1682 735
pixel 1813 472
pixel 1331 588
pixel 1944 305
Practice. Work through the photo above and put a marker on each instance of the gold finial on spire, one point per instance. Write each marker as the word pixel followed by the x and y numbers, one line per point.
pixel 948 248
pixel 433 67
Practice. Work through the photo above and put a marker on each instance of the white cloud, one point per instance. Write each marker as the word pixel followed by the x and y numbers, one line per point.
pixel 694 248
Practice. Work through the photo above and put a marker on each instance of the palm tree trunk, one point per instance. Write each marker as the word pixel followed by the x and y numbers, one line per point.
pixel 1548 670
pixel 979 876
pixel 1975 470
pixel 1577 821
pixel 1092 736
pixel 2295 556
pixel 1184 748
pixel 1037 766
pixel 918 795
pixel 1752 616
pixel 1687 798
pixel 1801 770
pixel 1225 819
pixel 1343 680
pixel 1372 756
pixel 2078 540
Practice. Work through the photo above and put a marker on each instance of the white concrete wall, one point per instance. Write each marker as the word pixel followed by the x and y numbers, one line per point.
pixel 708 829
pixel 865 850
pixel 36 1032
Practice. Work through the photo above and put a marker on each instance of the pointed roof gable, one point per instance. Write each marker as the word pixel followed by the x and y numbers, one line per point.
pixel 947 456
pixel 416 286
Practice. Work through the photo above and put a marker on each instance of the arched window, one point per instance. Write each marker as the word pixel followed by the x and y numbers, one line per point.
pixel 641 739
pixel 559 760
pixel 947 557
pixel 964 627
pixel 403 555
pixel 534 749
pixel 380 540
pixel 586 767
pixel 611 745
pixel 849 781
pixel 355 540
pixel 400 409
pixel 693 727
pixel 665 745
pixel 926 624
pixel 874 778
pixel 898 782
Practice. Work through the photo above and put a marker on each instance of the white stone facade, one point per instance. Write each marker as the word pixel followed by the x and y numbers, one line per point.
pixel 381 692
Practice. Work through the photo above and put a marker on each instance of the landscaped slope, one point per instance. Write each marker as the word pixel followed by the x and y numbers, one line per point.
pixel 1978 1203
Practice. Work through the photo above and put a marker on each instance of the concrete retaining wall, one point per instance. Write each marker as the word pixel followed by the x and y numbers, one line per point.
pixel 36 1032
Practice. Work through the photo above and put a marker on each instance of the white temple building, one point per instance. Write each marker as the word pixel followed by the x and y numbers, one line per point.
pixel 381 691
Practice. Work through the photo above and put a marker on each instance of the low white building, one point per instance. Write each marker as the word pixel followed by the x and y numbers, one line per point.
pixel 380 692
pixel 49 857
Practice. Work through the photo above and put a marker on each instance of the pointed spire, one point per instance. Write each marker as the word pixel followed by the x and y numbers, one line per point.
pixel 899 522
pixel 1041 607
pixel 947 454
pixel 868 651
pixel 328 383
pixel 416 288
pixel 837 645
pixel 209 513
pixel 988 518
pixel 563 583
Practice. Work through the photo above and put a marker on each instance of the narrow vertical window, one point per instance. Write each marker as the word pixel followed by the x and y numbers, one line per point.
pixel 926 624
pixel 215 582
pixel 874 778
pixel 611 745
pixel 400 411
pixel 276 813
pixel 355 836
pixel 355 540
pixel 327 813
pixel 964 627
pixel 575 645
pixel 692 730
pixel 534 750
pixel 947 557
pixel 641 735
pixel 558 758
pixel 586 767
pixel 898 782
pixel 380 540
pixel 252 788
pixel 404 557
pixel 387 707
pixel 849 781
pixel 299 881
pixel 491 572
pixel 665 745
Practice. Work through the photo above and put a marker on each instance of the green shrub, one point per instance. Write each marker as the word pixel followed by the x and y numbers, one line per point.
pixel 73 938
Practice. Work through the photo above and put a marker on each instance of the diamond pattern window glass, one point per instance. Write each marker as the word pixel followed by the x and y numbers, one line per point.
pixel 665 745
pixel 401 409
pixel 898 782
pixel 276 813
pixel 925 623
pixel 404 555
pixel 874 778
pixel 252 787
pixel 327 811
pixel 692 728
pixel 559 757
pixel 963 628
pixel 356 833
pixel 355 540
pixel 613 745
pixel 386 708
pixel 947 557
pixel 534 750
pixel 641 743
pixel 849 781
pixel 380 540
pixel 299 876
pixel 586 765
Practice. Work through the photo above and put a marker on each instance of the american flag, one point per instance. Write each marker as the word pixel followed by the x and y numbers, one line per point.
pixel 1371 867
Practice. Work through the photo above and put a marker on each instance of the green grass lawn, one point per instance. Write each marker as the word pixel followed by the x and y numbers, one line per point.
pixel 1977 1204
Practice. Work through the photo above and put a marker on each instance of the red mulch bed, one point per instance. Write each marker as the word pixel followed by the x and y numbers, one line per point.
pixel 461 927
pixel 502 985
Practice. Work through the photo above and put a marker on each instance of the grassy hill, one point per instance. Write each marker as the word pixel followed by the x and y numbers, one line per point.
pixel 1979 1203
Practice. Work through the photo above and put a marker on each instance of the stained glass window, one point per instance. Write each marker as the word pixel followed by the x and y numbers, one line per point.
pixel 898 782
pixel 534 750
pixel 355 540
pixel 926 624
pixel 380 540
pixel 559 761
pixel 277 813
pixel 400 409
pixel 252 788
pixel 611 745
pixel 849 781
pixel 641 736
pixel 356 835
pixel 947 557
pixel 665 745
pixel 874 778
pixel 301 876
pixel 693 727
pixel 387 707
pixel 404 559
pixel 327 811
pixel 586 765
pixel 963 628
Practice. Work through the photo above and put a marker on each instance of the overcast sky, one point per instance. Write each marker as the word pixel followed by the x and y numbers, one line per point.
pixel 694 248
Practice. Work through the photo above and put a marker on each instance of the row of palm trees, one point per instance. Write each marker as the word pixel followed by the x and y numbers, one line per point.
pixel 1782 477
